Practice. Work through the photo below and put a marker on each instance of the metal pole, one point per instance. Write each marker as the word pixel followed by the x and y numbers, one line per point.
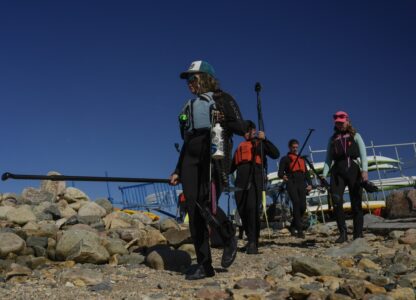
pixel 378 171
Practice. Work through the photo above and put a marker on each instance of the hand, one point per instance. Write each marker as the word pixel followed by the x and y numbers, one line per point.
pixel 364 175
pixel 174 179
pixel 309 188
pixel 285 178
pixel 261 135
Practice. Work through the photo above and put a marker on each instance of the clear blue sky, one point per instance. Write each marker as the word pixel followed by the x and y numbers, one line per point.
pixel 93 86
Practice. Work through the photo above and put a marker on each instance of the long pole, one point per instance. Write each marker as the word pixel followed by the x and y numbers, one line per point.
pixel 257 89
pixel 8 175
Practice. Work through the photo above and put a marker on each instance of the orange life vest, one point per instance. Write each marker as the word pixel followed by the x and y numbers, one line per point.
pixel 244 153
pixel 299 166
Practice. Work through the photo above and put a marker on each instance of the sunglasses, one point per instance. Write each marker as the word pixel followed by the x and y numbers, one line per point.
pixel 191 79
pixel 342 116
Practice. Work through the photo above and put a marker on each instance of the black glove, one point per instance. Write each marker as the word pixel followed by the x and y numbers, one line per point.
pixel 369 186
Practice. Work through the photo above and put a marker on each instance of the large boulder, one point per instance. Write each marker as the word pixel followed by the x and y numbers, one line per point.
pixel 401 204
pixel 88 251
pixel 164 258
pixel 91 209
pixel 81 246
pixel 10 243
pixel 36 196
pixel 21 215
pixel 115 246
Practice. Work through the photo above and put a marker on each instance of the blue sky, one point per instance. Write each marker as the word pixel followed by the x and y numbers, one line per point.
pixel 93 86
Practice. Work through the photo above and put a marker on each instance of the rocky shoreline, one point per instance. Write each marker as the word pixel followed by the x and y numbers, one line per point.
pixel 55 243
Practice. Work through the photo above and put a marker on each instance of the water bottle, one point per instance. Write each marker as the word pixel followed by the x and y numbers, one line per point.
pixel 217 142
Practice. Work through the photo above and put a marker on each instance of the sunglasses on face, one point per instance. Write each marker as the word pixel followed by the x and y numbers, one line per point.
pixel 192 79
pixel 342 116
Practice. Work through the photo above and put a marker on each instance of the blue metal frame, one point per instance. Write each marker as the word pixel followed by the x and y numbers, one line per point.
pixel 160 197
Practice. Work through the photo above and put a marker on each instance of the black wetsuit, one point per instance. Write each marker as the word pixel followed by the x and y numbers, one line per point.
pixel 250 178
pixel 193 168
pixel 346 172
pixel 296 187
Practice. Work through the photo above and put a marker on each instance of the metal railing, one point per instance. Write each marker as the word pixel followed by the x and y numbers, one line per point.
pixel 160 197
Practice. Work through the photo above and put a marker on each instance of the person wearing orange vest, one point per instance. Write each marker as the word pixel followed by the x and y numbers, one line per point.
pixel 250 176
pixel 292 169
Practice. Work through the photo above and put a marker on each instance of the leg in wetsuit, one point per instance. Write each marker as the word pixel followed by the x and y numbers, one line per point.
pixel 195 181
pixel 342 176
pixel 249 203
pixel 297 193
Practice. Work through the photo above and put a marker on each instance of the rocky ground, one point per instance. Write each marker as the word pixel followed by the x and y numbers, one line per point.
pixel 56 243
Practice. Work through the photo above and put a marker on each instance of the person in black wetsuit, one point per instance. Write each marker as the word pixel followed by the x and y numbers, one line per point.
pixel 344 148
pixel 293 171
pixel 194 168
pixel 250 178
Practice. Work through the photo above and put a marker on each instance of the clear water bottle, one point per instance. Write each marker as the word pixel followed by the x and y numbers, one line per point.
pixel 217 142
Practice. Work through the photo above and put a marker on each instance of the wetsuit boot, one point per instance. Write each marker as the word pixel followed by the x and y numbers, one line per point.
pixel 343 237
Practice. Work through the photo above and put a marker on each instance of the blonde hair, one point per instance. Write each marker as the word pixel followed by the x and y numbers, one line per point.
pixel 207 83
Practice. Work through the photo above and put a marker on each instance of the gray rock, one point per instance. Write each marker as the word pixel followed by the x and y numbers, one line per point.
pixel 115 246
pixel 369 219
pixel 10 243
pixel 89 277
pixel 396 234
pixel 91 209
pixel 321 229
pixel 356 247
pixel 397 269
pixel 4 210
pixel 177 237
pixel 72 195
pixel 37 241
pixel 71 241
pixel 89 219
pixel 54 211
pixel 353 288
pixel 398 205
pixel 131 259
pixel 102 286
pixel 277 273
pixel 168 224
pixel 252 284
pixel 143 218
pixel 88 251
pixel 190 249
pixel 21 215
pixel 11 199
pixel 65 210
pixel 106 204
pixel 36 196
pixel 164 258
pixel 53 187
pixel 379 279
pixel 315 266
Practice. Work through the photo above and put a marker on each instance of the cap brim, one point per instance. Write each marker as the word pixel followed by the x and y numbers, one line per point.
pixel 186 74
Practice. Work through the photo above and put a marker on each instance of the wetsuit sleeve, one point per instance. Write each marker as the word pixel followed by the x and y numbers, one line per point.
pixel 270 149
pixel 307 176
pixel 233 118
pixel 180 159
pixel 283 165
pixel 328 159
pixel 233 165
pixel 363 152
